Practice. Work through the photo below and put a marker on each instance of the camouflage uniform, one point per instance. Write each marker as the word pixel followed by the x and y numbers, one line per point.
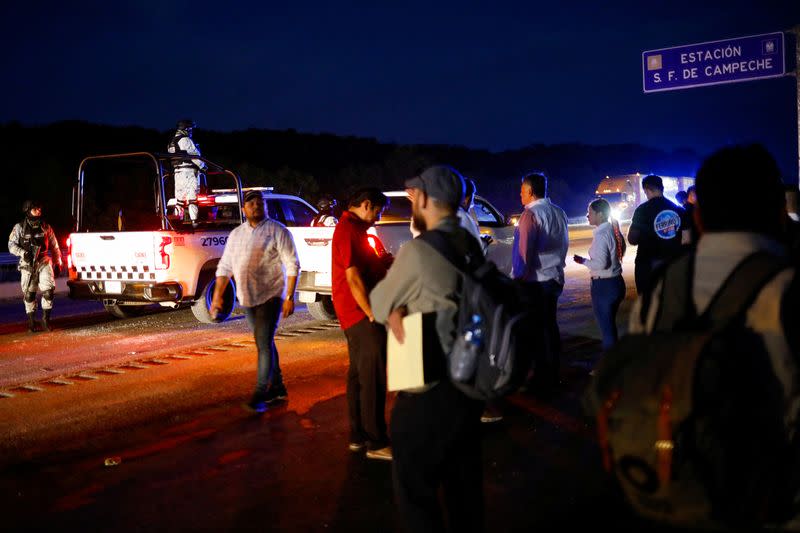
pixel 37 273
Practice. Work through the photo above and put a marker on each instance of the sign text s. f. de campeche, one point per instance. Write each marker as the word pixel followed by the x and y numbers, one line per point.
pixel 712 63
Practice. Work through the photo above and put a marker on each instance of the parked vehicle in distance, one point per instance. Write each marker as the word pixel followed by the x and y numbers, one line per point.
pixel 393 229
pixel 624 192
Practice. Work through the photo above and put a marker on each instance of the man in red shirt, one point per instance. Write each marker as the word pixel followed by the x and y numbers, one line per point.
pixel 356 269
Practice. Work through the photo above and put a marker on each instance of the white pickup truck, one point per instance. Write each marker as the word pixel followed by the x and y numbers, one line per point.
pixel 130 249
pixel 393 229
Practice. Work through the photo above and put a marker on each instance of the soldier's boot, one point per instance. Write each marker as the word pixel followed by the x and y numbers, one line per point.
pixel 46 319
pixel 31 323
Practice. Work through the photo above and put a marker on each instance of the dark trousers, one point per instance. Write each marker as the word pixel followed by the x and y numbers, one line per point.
pixel 436 443
pixel 643 272
pixel 547 351
pixel 263 319
pixel 607 295
pixel 641 275
pixel 366 383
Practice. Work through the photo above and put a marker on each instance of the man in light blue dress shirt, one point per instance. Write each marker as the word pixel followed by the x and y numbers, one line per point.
pixel 541 241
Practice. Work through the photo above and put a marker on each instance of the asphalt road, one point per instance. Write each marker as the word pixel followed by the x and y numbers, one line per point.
pixel 137 425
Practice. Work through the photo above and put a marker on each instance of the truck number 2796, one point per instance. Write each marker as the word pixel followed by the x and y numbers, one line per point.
pixel 214 241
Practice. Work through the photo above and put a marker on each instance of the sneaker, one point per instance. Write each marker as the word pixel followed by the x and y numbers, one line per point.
pixel 384 454
pixel 356 446
pixel 491 415
pixel 276 394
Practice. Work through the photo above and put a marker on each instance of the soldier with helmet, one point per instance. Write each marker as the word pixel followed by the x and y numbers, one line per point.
pixel 34 242
pixel 187 184
pixel 326 215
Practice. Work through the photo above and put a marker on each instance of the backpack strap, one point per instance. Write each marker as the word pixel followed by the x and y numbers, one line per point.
pixel 734 296
pixel 443 244
pixel 742 287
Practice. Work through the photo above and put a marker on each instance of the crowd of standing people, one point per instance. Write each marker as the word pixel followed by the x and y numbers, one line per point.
pixel 433 436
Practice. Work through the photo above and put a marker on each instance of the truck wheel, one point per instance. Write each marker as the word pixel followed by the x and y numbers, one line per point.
pixel 201 309
pixel 125 311
pixel 323 309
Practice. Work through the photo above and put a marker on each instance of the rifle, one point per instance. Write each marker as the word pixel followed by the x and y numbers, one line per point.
pixel 32 265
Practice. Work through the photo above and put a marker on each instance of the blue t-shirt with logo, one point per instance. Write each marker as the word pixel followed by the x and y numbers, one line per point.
pixel 659 222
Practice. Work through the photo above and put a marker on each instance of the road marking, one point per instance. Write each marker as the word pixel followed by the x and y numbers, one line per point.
pixel 132 366
pixel 84 377
pixel 163 360
pixel 109 371
pixel 27 388
pixel 59 382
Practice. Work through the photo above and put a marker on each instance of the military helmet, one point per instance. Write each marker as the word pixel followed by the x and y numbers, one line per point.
pixel 325 204
pixel 186 124
pixel 27 205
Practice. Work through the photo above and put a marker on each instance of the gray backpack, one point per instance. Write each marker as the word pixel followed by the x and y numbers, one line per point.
pixel 497 365
pixel 690 418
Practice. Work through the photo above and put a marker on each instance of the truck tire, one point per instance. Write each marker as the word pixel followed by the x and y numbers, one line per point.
pixel 201 309
pixel 125 311
pixel 323 309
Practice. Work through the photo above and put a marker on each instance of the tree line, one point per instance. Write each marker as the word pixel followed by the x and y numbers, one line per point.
pixel 42 162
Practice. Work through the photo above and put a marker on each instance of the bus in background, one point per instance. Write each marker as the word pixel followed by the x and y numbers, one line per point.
pixel 624 192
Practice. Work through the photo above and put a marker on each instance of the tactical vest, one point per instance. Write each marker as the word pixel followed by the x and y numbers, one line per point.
pixel 33 237
pixel 174 148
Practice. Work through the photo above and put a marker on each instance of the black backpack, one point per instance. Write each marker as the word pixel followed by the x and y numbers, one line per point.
pixel 506 308
pixel 690 416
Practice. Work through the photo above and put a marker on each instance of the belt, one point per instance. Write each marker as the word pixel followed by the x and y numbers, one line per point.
pixel 609 277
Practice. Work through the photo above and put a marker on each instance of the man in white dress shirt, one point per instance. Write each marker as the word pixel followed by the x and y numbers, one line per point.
pixel 259 254
pixel 539 255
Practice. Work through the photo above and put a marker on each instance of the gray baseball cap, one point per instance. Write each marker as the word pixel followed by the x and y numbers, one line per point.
pixel 441 182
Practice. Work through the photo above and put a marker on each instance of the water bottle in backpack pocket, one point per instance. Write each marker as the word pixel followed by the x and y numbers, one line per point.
pixel 466 349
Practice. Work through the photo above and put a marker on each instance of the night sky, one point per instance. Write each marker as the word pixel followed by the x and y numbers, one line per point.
pixel 485 75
